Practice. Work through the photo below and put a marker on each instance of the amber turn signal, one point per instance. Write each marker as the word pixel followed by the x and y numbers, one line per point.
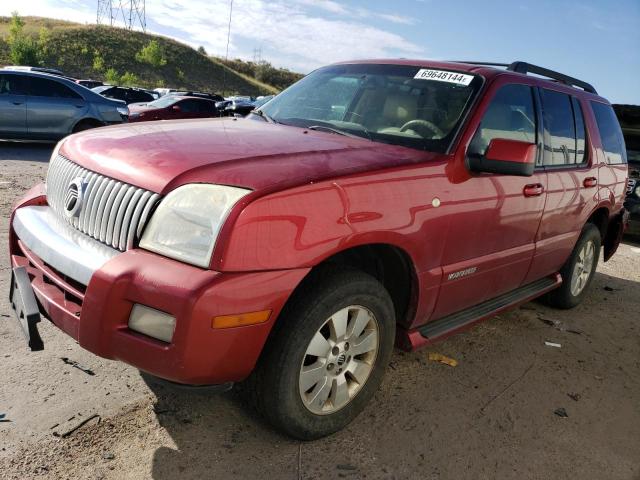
pixel 242 319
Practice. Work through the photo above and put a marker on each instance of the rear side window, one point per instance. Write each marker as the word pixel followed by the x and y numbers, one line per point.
pixel 581 152
pixel 188 106
pixel 560 130
pixel 12 85
pixel 610 133
pixel 43 87
pixel 510 115
pixel 205 106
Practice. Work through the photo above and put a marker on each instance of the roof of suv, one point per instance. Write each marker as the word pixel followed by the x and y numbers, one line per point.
pixel 489 70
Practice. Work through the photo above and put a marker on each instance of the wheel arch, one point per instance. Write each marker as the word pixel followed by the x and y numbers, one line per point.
pixel 91 120
pixel 391 265
pixel 600 218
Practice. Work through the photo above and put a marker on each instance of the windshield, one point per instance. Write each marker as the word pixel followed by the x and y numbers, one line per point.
pixel 398 104
pixel 163 102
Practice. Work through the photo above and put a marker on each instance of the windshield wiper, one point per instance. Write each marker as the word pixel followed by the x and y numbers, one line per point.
pixel 335 130
pixel 261 114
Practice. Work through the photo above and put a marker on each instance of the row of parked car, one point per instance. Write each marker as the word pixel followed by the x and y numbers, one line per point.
pixel 43 103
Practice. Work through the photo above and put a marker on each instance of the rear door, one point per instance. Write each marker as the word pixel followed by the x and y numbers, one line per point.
pixel 491 238
pixel 13 105
pixel 53 109
pixel 572 177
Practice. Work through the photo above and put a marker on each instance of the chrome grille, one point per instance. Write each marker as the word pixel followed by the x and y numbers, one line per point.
pixel 113 212
pixel 630 184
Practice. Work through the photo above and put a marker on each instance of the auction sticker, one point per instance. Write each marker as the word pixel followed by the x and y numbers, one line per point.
pixel 444 76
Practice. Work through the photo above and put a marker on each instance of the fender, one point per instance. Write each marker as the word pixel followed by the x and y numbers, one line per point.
pixel 303 226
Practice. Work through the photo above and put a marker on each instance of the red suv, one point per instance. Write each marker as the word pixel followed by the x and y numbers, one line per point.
pixel 172 107
pixel 372 202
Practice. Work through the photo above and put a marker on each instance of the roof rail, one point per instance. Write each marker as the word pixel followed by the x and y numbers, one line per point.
pixel 524 67
pixel 488 64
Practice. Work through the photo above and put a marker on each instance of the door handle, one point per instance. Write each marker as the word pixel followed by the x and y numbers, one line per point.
pixel 590 182
pixel 533 190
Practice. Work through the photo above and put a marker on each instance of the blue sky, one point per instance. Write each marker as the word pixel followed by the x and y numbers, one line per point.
pixel 596 40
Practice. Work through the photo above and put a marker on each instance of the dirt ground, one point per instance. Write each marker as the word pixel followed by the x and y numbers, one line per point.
pixel 491 417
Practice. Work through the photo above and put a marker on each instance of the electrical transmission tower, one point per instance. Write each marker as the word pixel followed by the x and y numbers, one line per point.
pixel 131 13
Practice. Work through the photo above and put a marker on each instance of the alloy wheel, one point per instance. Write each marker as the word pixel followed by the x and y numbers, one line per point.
pixel 339 359
pixel 583 268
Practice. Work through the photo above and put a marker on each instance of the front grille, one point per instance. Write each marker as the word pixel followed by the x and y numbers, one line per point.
pixel 112 212
pixel 631 183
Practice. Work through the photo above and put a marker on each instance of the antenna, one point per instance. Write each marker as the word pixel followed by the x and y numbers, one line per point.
pixel 131 13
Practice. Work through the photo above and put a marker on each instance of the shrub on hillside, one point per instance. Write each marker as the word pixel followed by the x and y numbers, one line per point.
pixel 152 54
pixel 111 76
pixel 23 49
pixel 98 62
pixel 129 79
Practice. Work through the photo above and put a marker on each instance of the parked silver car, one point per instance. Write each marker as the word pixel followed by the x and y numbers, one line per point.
pixel 39 106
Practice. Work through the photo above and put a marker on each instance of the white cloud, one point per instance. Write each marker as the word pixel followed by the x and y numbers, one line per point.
pixel 298 34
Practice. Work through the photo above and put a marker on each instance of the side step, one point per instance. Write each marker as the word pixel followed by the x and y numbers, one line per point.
pixel 455 322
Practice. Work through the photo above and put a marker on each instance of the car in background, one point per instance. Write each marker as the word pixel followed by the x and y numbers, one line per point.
pixel 210 96
pixel 40 106
pixel 90 83
pixel 173 107
pixel 126 94
pixel 629 118
pixel 235 107
pixel 260 101
pixel 164 91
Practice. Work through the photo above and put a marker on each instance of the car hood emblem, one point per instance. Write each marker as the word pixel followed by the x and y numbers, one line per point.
pixel 74 197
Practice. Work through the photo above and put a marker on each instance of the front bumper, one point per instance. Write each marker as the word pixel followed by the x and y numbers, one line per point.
pixel 96 314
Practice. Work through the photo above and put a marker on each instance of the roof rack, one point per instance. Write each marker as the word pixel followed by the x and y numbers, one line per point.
pixel 524 67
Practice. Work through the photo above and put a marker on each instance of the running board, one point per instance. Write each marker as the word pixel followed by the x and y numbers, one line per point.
pixel 443 327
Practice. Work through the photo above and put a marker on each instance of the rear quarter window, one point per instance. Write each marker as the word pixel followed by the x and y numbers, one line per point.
pixel 610 133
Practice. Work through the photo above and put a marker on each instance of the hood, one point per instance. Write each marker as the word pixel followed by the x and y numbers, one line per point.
pixel 160 156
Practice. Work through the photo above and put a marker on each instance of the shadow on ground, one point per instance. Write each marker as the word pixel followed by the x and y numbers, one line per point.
pixel 29 151
pixel 490 417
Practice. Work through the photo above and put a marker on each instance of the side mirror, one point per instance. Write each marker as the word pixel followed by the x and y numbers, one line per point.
pixel 176 108
pixel 506 157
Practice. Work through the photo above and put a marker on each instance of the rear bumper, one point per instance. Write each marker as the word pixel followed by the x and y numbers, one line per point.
pixel 97 315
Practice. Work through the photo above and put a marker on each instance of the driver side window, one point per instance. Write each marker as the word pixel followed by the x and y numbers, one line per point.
pixel 510 115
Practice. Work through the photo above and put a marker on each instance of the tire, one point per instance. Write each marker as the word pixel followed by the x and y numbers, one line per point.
pixel 282 387
pixel 571 292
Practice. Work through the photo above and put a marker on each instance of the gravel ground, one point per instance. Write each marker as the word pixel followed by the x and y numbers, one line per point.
pixel 492 416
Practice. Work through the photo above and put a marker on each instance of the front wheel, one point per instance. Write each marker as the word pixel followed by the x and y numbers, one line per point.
pixel 327 354
pixel 577 273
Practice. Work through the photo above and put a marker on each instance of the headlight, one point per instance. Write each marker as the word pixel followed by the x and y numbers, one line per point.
pixel 636 190
pixel 123 111
pixel 186 224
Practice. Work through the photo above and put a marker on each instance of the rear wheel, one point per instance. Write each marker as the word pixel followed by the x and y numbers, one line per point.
pixel 579 270
pixel 327 355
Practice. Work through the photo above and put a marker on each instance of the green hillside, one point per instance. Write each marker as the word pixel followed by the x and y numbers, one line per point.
pixel 113 55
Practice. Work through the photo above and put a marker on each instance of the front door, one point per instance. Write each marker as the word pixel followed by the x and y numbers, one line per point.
pixel 13 105
pixel 491 238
